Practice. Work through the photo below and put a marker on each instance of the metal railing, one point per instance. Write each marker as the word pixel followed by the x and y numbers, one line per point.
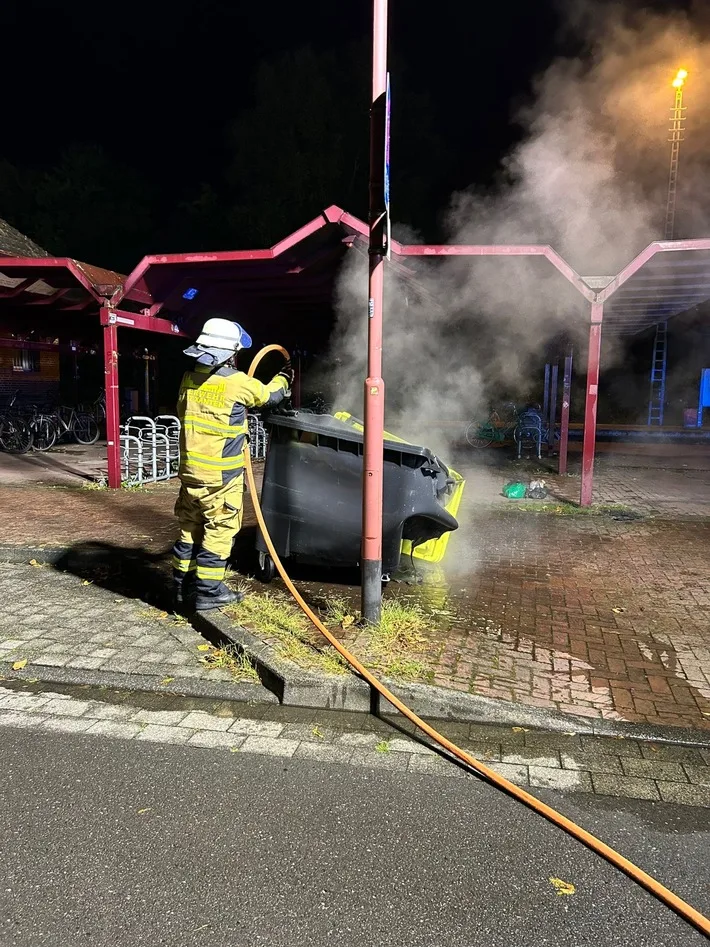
pixel 150 449
pixel 258 438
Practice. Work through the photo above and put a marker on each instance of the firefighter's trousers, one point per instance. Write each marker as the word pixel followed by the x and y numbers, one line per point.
pixel 209 518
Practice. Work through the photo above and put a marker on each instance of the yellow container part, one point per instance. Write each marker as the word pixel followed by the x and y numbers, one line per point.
pixel 433 550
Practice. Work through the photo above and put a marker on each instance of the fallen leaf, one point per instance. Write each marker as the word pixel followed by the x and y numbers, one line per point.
pixel 316 731
pixel 234 749
pixel 570 733
pixel 348 621
pixel 18 665
pixel 161 615
pixel 87 582
pixel 618 611
pixel 204 647
pixel 33 562
pixel 143 811
pixel 562 887
pixel 520 730
pixel 166 680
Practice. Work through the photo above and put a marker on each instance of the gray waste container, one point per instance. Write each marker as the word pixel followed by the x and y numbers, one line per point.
pixel 312 494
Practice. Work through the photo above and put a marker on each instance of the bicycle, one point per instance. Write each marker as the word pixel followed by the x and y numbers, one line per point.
pixel 44 429
pixel 82 426
pixel 15 433
pixel 97 408
pixel 495 428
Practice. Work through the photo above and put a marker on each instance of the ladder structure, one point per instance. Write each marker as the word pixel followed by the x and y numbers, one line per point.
pixel 657 395
pixel 656 400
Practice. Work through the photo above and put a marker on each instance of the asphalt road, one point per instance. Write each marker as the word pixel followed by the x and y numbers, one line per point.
pixel 111 843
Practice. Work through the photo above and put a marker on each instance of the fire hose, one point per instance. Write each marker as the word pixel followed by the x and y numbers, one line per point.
pixel 675 903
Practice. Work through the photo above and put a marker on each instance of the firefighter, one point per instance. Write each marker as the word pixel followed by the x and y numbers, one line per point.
pixel 212 407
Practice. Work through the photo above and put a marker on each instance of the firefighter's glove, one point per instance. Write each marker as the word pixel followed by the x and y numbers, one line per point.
pixel 288 374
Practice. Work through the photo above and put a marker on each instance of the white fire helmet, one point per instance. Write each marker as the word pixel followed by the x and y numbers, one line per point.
pixel 223 334
pixel 218 341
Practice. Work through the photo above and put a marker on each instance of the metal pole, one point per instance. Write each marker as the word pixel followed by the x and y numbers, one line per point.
pixel 146 393
pixel 553 408
pixel 564 417
pixel 296 400
pixel 113 414
pixel 656 400
pixel 546 392
pixel 590 407
pixel 374 406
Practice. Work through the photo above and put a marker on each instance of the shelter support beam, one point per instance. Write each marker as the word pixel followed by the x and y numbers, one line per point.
pixel 564 416
pixel 590 404
pixel 552 426
pixel 546 392
pixel 113 415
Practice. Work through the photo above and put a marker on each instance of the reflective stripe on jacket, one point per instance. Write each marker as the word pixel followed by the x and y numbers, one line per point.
pixel 212 410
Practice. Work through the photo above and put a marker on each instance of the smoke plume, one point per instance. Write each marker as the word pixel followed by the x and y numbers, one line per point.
pixel 589 177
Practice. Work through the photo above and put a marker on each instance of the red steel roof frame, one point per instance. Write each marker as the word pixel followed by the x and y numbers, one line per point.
pixel 89 277
pixel 94 280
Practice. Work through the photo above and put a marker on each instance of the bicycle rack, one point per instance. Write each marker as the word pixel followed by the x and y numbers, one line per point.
pixel 258 438
pixel 150 449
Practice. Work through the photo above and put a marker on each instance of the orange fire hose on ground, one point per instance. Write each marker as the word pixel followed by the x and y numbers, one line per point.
pixel 681 907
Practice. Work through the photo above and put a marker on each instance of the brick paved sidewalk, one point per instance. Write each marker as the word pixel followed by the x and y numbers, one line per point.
pixel 61 621
pixel 607 767
pixel 579 613
pixel 34 515
pixel 651 491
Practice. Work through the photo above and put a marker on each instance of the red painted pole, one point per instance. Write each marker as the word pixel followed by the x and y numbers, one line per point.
pixel 113 415
pixel 590 408
pixel 374 408
pixel 564 416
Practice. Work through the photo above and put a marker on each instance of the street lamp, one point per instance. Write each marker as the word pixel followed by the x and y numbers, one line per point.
pixel 676 136
pixel 657 394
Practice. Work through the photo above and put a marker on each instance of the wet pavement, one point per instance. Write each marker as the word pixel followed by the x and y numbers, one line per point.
pixel 587 614
pixel 591 615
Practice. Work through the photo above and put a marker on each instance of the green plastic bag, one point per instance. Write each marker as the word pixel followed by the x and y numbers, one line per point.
pixel 514 491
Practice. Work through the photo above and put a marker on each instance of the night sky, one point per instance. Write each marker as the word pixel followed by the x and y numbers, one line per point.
pixel 159 85
pixel 154 126
pixel 156 82
pixel 154 115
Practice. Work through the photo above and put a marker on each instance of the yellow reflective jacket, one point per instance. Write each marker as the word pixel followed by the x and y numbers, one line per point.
pixel 212 410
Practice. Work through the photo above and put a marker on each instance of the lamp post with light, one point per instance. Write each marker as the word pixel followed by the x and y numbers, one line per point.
pixel 677 128
pixel 657 393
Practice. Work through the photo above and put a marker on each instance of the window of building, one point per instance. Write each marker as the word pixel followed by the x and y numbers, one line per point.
pixel 25 360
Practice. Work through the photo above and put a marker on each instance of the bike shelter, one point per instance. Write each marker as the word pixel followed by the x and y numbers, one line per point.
pixel 292 282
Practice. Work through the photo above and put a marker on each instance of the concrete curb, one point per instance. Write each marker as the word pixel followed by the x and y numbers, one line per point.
pixel 297 687
pixel 116 680
pixel 294 686
pixel 21 555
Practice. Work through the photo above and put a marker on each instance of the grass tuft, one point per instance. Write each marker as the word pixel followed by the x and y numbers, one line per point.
pixel 565 508
pixel 273 615
pixel 229 659
pixel 398 644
